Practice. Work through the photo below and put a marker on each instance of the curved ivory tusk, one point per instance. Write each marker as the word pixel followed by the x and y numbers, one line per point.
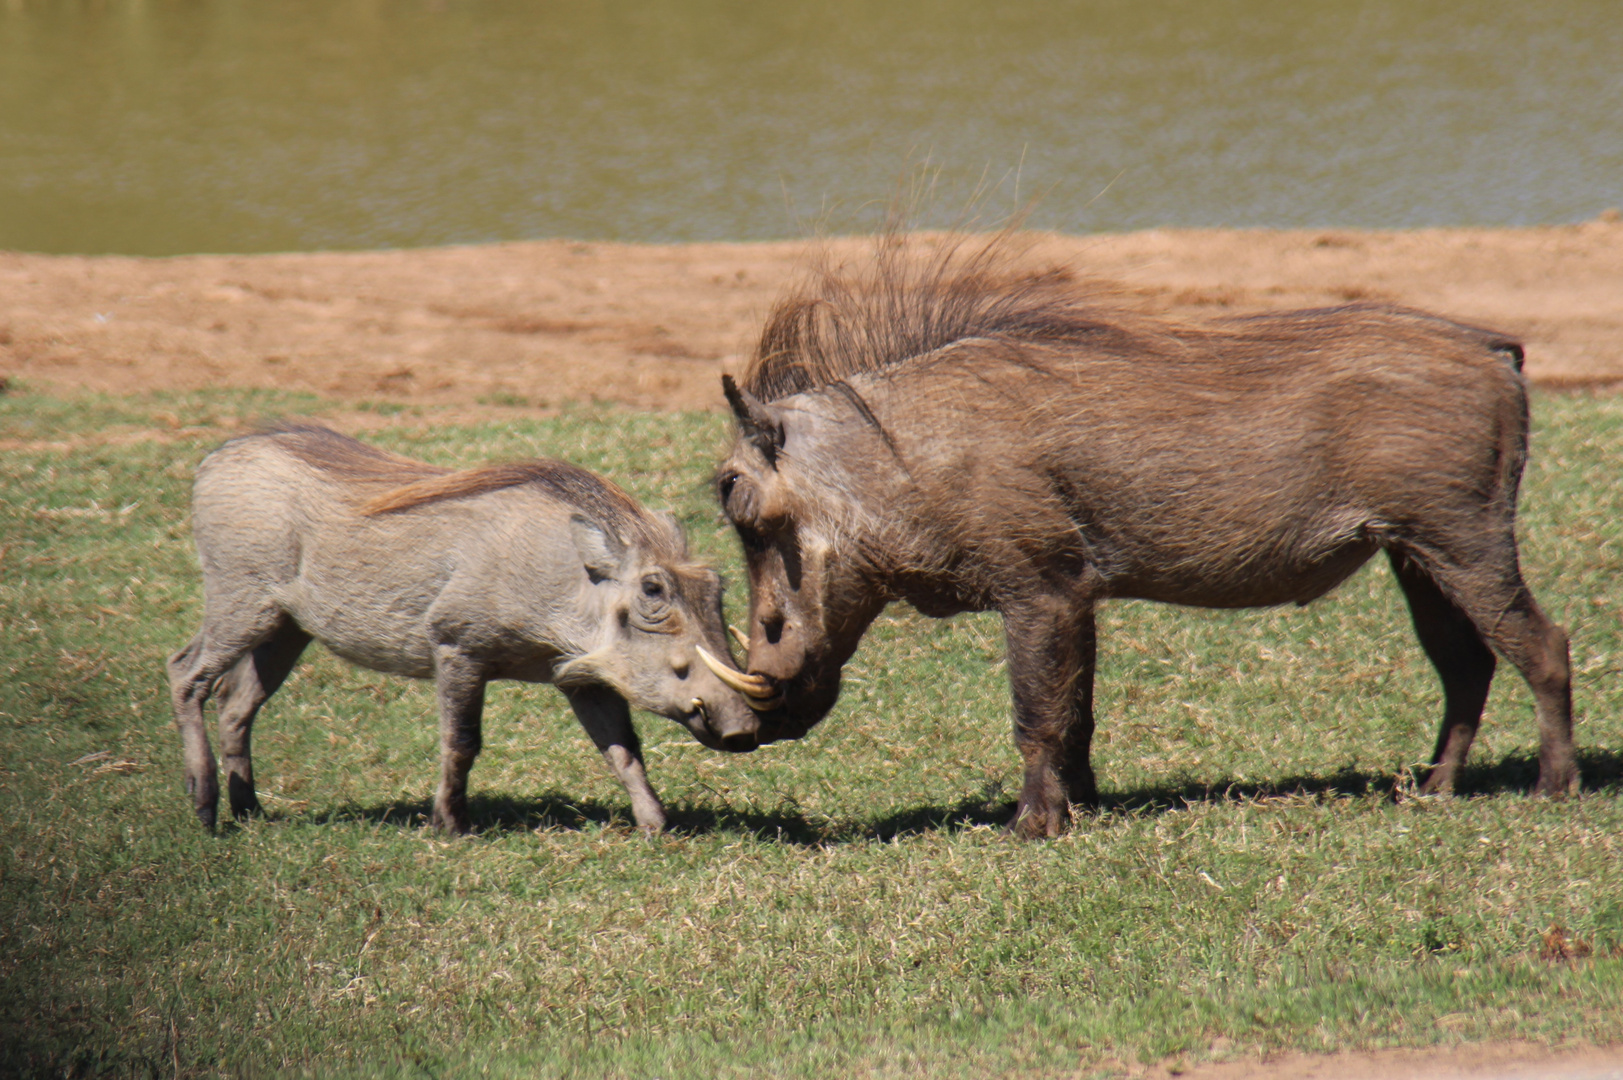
pixel 753 687
pixel 697 705
pixel 739 636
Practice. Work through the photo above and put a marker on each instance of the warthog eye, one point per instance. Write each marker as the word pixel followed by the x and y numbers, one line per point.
pixel 653 611
pixel 738 499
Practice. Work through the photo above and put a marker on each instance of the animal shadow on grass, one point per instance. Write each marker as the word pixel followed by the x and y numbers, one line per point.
pixel 1512 774
pixel 497 815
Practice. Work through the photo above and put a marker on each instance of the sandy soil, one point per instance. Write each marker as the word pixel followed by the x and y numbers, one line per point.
pixel 1492 1061
pixel 542 323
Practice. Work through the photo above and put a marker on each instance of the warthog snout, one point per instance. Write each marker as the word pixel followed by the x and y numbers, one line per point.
pixel 739 742
pixel 737 732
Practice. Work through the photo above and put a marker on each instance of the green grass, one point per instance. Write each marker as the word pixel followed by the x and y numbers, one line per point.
pixel 841 906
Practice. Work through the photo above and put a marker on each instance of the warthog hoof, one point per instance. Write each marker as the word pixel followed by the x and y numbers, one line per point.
pixel 1439 782
pixel 204 797
pixel 1557 783
pixel 453 821
pixel 1039 824
pixel 244 802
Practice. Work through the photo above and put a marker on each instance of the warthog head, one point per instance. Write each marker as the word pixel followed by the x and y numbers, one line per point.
pixel 811 595
pixel 660 616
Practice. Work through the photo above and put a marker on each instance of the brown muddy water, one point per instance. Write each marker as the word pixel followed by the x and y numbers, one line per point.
pixel 167 126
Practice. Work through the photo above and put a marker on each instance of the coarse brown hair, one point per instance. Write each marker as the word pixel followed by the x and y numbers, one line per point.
pixel 914 297
pixel 918 295
pixel 413 484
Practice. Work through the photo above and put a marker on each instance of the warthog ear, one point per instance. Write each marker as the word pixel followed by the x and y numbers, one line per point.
pixel 601 551
pixel 757 422
pixel 674 527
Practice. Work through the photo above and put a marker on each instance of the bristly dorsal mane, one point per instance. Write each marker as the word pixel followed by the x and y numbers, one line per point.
pixel 417 483
pixel 345 458
pixel 906 303
pixel 593 496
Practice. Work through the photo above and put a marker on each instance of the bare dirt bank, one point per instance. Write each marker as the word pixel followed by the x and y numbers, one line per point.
pixel 1483 1061
pixel 542 323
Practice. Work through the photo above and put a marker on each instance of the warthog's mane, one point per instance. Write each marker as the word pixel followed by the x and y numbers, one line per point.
pixel 412 484
pixel 912 298
pixel 918 295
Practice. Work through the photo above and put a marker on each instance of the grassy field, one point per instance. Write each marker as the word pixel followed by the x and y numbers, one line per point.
pixel 1259 876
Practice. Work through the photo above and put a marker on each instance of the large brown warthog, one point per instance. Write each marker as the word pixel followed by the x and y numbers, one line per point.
pixel 536 571
pixel 942 432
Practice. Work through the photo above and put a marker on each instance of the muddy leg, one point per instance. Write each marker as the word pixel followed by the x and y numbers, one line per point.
pixel 241 692
pixel 459 684
pixel 1463 662
pixel 1051 650
pixel 607 720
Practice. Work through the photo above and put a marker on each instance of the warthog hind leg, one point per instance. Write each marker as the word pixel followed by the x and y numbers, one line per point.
pixel 1493 596
pixel 459 684
pixel 607 720
pixel 1463 662
pixel 240 693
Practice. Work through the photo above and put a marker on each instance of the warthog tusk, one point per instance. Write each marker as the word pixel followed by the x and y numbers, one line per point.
pixel 739 636
pixel 757 690
pixel 754 685
pixel 697 705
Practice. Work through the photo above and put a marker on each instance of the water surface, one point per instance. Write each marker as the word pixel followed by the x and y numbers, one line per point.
pixel 229 125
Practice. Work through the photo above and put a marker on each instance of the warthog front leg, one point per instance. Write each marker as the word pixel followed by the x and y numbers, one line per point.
pixel 234 625
pixel 459 685
pixel 1051 654
pixel 192 672
pixel 607 720
pixel 240 693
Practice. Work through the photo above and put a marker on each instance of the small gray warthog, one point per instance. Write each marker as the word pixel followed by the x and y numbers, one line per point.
pixel 537 571
pixel 945 432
